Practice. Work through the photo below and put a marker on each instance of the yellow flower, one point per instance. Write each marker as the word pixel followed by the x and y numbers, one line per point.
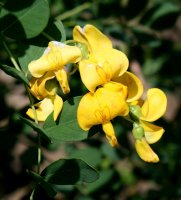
pixel 45 89
pixel 103 62
pixel 101 107
pixel 152 109
pixel 55 57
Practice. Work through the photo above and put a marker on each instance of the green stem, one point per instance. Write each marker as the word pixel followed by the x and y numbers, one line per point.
pixel 11 56
pixel 32 194
pixel 48 36
pixel 74 11
pixel 36 121
pixel 31 103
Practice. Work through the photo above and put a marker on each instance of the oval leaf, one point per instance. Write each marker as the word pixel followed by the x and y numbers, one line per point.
pixel 24 19
pixel 66 128
pixel 69 172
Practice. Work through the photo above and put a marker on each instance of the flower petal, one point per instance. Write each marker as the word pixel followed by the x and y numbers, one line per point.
pixel 93 75
pixel 54 58
pixel 92 37
pixel 40 87
pixel 44 108
pixel 134 85
pixel 145 152
pixel 154 106
pixel 117 60
pixel 110 134
pixel 152 132
pixel 86 112
pixel 100 107
pixel 117 87
pixel 57 107
pixel 61 76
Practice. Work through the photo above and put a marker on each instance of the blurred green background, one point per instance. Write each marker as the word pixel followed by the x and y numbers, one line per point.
pixel 149 33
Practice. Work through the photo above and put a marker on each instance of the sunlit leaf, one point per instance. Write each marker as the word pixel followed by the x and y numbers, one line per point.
pixel 61 28
pixel 89 154
pixel 66 128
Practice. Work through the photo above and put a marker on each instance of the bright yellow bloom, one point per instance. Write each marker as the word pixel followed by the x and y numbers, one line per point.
pixel 45 89
pixel 103 62
pixel 133 84
pixel 101 107
pixel 55 57
pixel 152 109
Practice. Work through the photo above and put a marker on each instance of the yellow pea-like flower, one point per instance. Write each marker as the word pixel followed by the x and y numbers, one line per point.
pixel 101 107
pixel 45 89
pixel 103 63
pixel 55 57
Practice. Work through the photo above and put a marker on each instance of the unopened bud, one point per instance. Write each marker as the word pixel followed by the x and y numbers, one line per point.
pixel 138 131
pixel 135 112
pixel 84 50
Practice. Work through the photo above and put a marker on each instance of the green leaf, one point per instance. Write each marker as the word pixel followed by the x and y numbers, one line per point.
pixel 163 10
pixel 61 28
pixel 24 19
pixel 153 66
pixel 69 172
pixel 36 128
pixel 104 178
pixel 40 181
pixel 66 128
pixel 15 73
pixel 161 16
pixel 90 155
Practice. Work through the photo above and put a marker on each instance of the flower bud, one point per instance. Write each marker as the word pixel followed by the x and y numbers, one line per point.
pixel 84 50
pixel 138 131
pixel 135 112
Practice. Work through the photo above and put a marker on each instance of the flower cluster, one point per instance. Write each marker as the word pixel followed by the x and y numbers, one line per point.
pixel 112 90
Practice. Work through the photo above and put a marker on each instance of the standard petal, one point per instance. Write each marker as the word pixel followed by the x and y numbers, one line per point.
pixel 61 76
pixel 110 134
pixel 92 37
pixel 145 152
pixel 90 75
pixel 134 85
pixel 153 133
pixel 154 106
pixel 38 67
pixel 44 108
pixel 54 58
pixel 57 106
pixel 117 60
